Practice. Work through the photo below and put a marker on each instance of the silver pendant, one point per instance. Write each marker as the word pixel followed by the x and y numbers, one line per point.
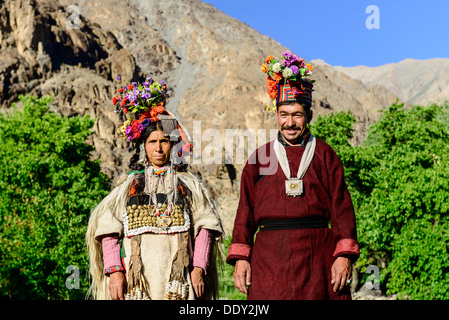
pixel 293 187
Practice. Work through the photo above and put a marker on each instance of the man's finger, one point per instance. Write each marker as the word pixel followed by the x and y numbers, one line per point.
pixel 333 275
pixel 248 278
pixel 337 280
pixel 240 283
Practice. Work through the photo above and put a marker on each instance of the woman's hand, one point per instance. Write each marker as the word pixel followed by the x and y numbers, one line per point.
pixel 117 285
pixel 197 281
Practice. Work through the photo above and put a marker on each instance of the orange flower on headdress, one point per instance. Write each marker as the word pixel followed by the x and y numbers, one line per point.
pixel 268 59
pixel 309 66
pixel 157 110
pixel 264 68
pixel 277 76
pixel 272 88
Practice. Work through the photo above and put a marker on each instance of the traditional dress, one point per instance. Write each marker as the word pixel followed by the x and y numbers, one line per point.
pixel 293 263
pixel 157 250
pixel 303 224
pixel 154 221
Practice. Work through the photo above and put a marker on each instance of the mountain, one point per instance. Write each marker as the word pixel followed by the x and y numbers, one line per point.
pixel 413 81
pixel 74 49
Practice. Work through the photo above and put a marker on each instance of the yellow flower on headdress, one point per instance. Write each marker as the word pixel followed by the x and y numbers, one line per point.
pixel 264 68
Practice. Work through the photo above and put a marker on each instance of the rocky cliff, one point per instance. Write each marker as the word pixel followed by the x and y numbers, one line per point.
pixel 73 50
pixel 413 81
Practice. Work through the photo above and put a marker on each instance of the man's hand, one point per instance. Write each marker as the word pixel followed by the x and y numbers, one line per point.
pixel 242 275
pixel 341 272
pixel 197 281
pixel 117 285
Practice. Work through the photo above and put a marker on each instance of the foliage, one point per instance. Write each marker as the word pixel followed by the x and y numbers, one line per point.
pixel 399 183
pixel 227 289
pixel 48 186
pixel 398 179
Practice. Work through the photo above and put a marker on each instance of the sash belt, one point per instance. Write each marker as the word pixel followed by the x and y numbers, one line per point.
pixel 300 223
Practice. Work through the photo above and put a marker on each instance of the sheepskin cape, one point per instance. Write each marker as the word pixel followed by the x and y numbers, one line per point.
pixel 157 250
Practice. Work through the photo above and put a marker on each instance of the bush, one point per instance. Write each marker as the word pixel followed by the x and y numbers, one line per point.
pixel 48 186
pixel 399 183
pixel 227 289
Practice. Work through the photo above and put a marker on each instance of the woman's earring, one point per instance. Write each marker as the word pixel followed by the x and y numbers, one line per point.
pixel 142 155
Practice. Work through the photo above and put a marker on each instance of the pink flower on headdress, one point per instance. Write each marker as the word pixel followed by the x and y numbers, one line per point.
pixel 286 63
pixel 287 54
pixel 129 133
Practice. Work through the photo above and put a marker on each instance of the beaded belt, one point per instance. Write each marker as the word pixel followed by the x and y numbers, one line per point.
pixel 300 223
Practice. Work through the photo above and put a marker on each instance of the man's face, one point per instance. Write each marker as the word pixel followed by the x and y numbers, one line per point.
pixel 292 122
pixel 158 148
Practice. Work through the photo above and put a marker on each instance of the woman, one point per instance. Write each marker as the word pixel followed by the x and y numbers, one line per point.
pixel 154 236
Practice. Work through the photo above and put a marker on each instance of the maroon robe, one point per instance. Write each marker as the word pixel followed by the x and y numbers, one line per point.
pixel 293 264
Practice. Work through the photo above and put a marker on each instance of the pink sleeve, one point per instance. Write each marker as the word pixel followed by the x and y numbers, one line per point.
pixel 111 254
pixel 201 251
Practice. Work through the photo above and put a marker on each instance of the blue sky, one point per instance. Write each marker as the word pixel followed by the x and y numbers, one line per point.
pixel 336 31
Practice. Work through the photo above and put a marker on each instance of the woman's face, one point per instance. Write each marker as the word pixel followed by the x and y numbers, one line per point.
pixel 158 148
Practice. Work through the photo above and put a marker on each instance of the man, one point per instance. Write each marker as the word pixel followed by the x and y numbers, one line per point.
pixel 291 199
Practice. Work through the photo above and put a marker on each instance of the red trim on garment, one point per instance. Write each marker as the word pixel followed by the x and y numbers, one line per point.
pixel 239 249
pixel 347 246
pixel 132 191
pixel 110 270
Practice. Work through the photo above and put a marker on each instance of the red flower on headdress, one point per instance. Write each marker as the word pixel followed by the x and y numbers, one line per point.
pixel 144 116
pixel 114 101
pixel 272 87
pixel 277 76
pixel 157 110
pixel 130 86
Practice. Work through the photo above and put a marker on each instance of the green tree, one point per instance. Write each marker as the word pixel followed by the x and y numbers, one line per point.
pixel 48 187
pixel 398 179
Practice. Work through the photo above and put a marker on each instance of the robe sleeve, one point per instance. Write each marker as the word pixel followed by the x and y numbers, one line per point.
pixel 342 216
pixel 244 225
pixel 202 249
pixel 111 254
pixel 108 223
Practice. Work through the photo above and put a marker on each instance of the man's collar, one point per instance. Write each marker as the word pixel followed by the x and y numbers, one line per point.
pixel 305 138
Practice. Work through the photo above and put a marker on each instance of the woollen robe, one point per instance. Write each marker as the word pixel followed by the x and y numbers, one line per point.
pixel 157 250
pixel 293 264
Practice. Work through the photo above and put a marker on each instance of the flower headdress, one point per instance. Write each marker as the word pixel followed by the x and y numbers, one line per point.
pixel 288 79
pixel 145 102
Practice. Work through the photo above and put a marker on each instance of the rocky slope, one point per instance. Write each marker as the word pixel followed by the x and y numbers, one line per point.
pixel 210 60
pixel 413 81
